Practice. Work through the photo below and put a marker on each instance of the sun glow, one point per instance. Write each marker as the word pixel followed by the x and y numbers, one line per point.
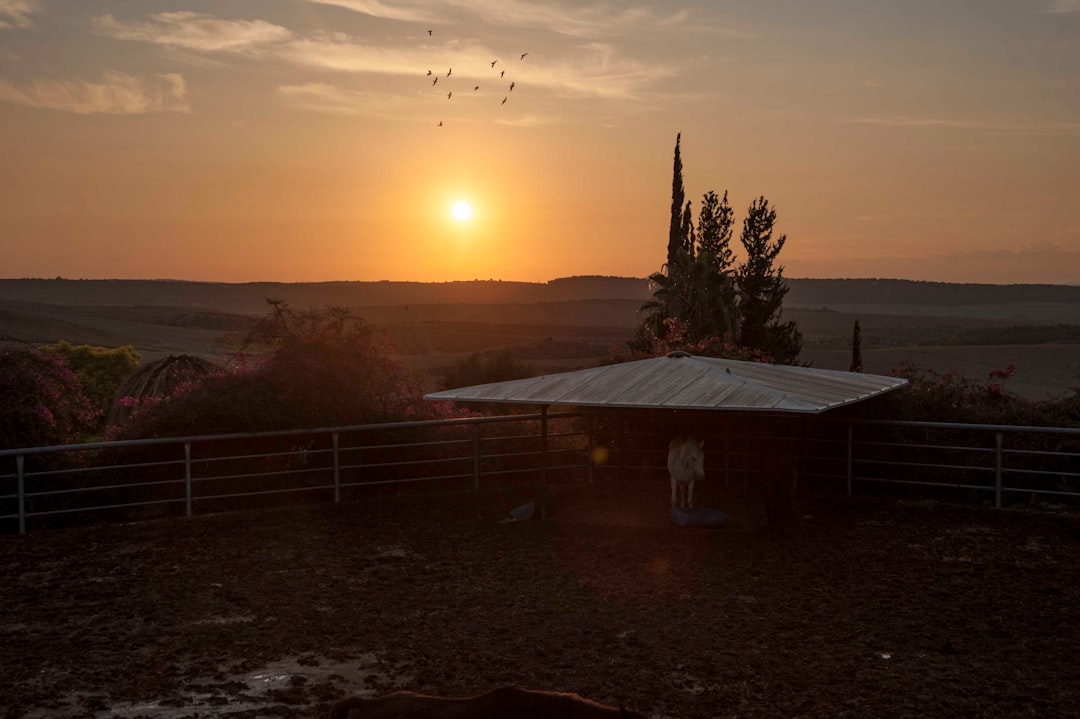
pixel 461 210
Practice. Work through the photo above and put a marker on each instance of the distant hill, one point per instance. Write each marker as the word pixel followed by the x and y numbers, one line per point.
pixel 250 297
pixel 833 292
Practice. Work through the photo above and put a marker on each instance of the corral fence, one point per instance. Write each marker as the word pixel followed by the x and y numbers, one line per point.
pixel 137 479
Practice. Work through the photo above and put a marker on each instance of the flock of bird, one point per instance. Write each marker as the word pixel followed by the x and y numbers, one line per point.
pixel 476 88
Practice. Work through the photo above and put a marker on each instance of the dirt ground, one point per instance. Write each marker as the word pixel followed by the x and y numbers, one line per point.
pixel 858 609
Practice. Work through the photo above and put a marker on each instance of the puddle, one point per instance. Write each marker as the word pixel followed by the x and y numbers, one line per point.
pixel 285 684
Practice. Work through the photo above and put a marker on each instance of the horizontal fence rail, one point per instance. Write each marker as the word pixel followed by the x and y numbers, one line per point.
pixel 178 476
pixel 997 464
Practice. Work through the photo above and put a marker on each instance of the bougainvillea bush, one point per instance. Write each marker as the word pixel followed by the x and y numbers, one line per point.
pixel 42 401
pixel 934 397
pixel 298 369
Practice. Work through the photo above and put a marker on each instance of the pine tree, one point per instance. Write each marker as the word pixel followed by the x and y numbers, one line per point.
pixel 676 234
pixel 761 288
pixel 714 231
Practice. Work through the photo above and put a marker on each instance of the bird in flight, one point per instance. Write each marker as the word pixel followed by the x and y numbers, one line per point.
pixel 435 80
pixel 449 94
pixel 440 123
pixel 523 55
pixel 493 62
pixel 503 102
pixel 429 73
pixel 476 88
pixel 502 73
pixel 511 87
pixel 449 72
pixel 429 35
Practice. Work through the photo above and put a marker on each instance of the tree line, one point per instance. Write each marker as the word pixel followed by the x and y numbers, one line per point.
pixel 706 303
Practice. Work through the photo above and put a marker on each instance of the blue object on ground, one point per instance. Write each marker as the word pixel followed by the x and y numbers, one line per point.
pixel 522 512
pixel 700 517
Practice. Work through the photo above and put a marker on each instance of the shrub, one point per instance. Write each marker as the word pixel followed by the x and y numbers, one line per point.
pixel 42 401
pixel 313 368
pixel 100 370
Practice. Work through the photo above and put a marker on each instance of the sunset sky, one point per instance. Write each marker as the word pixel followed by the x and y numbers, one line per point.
pixel 300 140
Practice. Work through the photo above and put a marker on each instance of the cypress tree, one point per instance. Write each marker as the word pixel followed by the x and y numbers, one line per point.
pixel 856 349
pixel 676 235
pixel 686 231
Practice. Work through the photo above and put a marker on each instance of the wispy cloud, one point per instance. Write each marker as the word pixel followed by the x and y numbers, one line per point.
pixel 116 94
pixel 194 31
pixel 325 98
pixel 340 53
pixel 388 11
pixel 1011 127
pixel 16 13
pixel 595 20
pixel 595 70
pixel 1063 6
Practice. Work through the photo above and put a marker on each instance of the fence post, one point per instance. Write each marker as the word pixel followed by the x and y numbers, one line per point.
pixel 998 441
pixel 337 468
pixel 187 478
pixel 476 457
pixel 19 464
pixel 849 452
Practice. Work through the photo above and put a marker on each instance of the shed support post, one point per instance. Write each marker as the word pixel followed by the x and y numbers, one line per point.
pixel 591 444
pixel 543 460
pixel 849 433
pixel 727 452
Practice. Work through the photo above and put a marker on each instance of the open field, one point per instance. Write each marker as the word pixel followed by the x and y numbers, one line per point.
pixel 561 325
pixel 862 609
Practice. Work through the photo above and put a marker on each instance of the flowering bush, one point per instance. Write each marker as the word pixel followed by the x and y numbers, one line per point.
pixel 100 370
pixel 42 401
pixel 674 337
pixel 306 369
pixel 949 397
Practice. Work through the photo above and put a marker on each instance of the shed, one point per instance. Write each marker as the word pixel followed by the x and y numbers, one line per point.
pixel 684 381
pixel 681 381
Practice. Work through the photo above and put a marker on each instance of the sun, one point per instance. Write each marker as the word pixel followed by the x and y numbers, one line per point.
pixel 461 210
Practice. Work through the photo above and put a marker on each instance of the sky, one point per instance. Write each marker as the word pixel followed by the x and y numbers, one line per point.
pixel 305 140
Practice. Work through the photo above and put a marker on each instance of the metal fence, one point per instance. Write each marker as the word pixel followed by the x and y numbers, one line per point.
pixel 178 476
pixel 1001 465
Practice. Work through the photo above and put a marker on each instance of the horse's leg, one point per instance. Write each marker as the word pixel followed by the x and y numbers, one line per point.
pixel 674 489
pixel 690 494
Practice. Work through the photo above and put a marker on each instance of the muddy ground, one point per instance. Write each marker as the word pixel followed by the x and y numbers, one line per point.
pixel 858 609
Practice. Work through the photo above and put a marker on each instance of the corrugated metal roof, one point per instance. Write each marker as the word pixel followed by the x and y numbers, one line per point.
pixel 682 381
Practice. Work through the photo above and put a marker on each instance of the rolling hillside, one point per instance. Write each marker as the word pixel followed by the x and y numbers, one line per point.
pixel 568 322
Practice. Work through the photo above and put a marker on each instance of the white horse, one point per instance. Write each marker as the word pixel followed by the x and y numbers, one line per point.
pixel 686 465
